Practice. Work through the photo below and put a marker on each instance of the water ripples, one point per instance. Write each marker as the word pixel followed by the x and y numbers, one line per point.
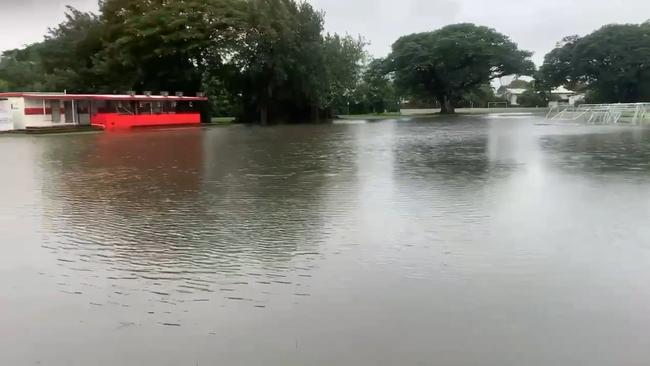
pixel 228 232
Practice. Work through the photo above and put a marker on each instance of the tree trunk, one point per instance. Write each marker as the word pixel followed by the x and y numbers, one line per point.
pixel 264 114
pixel 314 113
pixel 264 107
pixel 447 106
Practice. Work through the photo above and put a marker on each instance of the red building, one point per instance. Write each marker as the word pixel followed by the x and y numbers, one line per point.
pixel 20 111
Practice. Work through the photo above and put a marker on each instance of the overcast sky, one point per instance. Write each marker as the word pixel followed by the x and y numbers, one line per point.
pixel 535 25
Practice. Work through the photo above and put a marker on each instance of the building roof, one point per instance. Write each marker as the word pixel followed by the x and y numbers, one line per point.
pixel 562 90
pixel 516 91
pixel 116 97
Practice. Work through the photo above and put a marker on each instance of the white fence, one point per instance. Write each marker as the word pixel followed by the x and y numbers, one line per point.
pixel 606 114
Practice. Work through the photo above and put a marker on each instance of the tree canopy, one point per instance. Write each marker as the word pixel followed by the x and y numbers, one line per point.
pixel 271 60
pixel 376 89
pixel 612 64
pixel 450 62
pixel 270 57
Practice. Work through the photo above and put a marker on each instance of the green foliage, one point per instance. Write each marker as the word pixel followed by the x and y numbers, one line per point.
pixel 612 64
pixel 222 103
pixel 478 97
pixel 285 68
pixel 68 52
pixel 376 92
pixel 557 68
pixel 263 59
pixel 276 62
pixel 22 70
pixel 342 61
pixel 266 60
pixel 165 45
pixel 450 62
pixel 533 98
pixel 519 84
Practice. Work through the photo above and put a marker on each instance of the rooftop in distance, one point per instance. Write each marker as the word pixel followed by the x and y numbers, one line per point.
pixel 116 97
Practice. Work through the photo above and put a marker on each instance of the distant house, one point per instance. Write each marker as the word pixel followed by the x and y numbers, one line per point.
pixel 560 95
pixel 563 95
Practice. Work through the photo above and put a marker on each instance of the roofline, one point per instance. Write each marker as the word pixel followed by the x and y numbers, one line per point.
pixel 115 97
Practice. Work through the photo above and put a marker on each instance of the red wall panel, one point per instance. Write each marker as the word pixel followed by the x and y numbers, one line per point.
pixel 125 121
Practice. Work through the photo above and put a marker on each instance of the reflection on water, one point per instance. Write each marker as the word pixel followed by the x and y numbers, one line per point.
pixel 470 240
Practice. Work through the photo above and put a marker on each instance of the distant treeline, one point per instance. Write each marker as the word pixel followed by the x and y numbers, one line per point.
pixel 270 60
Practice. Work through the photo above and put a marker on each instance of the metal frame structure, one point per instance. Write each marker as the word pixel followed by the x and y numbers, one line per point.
pixel 602 114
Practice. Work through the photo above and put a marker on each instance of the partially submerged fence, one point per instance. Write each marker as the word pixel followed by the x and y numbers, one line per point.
pixel 605 114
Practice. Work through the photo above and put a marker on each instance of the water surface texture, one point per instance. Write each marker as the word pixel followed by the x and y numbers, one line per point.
pixel 486 240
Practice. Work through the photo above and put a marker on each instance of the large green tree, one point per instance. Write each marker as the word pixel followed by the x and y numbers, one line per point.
pixel 67 55
pixel 376 91
pixel 276 59
pixel 342 64
pixel 612 64
pixel 267 59
pixel 479 97
pixel 269 56
pixel 450 62
pixel 165 45
pixel 285 68
pixel 22 69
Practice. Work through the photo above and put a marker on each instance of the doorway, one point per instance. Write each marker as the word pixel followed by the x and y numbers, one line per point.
pixel 55 106
pixel 67 108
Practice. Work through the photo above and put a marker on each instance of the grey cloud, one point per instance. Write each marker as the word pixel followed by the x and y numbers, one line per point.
pixel 29 20
pixel 535 25
pixel 447 10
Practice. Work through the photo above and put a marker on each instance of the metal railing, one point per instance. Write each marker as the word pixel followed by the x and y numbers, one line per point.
pixel 605 114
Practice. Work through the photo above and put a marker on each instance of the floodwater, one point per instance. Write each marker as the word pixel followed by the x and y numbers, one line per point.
pixel 485 240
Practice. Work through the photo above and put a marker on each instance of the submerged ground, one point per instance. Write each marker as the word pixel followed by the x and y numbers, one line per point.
pixel 476 240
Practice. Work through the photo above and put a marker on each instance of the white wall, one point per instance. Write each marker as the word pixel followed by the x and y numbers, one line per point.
pixel 417 112
pixel 6 122
pixel 574 99
pixel 18 112
pixel 36 120
pixel 13 116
